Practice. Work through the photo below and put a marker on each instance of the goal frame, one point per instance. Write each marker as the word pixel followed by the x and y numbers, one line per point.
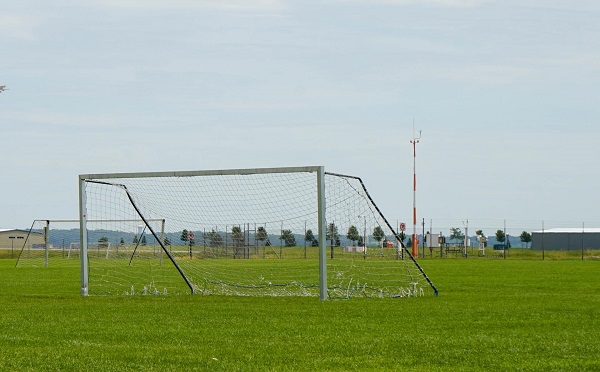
pixel 319 171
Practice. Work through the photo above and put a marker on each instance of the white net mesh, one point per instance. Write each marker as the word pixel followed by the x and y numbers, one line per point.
pixel 50 243
pixel 251 234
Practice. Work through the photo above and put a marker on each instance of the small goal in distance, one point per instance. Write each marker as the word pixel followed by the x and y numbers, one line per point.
pixel 296 231
pixel 56 242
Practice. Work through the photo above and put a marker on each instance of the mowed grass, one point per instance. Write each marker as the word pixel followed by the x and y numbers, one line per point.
pixel 490 315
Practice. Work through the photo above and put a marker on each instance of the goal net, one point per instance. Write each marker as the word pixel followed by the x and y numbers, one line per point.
pixel 57 242
pixel 48 243
pixel 249 232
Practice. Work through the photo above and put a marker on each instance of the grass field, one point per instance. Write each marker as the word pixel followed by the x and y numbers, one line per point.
pixel 490 315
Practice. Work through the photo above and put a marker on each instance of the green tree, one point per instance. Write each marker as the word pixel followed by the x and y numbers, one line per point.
pixel 526 238
pixel 332 232
pixel 500 236
pixel 214 239
pixel 456 234
pixel 237 236
pixel 288 238
pixel 122 242
pixel 167 241
pixel 103 241
pixel 378 234
pixel 135 239
pixel 309 237
pixel 143 241
pixel 361 242
pixel 353 234
pixel 184 236
pixel 261 234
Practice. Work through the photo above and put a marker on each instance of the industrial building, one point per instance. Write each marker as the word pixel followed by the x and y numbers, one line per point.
pixel 14 239
pixel 566 239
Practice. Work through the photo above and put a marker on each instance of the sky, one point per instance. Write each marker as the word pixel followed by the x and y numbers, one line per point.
pixel 504 94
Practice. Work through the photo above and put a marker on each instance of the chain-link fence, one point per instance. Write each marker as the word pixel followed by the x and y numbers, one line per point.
pixel 507 239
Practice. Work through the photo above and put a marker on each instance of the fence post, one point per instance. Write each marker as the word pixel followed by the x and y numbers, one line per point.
pixel 582 240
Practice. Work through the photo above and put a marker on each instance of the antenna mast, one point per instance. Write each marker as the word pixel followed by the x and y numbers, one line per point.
pixel 415 140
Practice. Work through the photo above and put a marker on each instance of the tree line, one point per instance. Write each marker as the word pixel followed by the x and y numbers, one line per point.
pixel 288 238
pixel 500 235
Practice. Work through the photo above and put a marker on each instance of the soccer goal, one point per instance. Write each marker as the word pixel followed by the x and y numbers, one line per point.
pixel 296 231
pixel 56 242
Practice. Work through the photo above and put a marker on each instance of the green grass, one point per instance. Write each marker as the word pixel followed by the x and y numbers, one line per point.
pixel 515 253
pixel 490 315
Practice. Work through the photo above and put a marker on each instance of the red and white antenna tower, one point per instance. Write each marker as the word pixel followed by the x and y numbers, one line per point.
pixel 415 140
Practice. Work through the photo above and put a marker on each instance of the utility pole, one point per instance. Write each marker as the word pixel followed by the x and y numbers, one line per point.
pixel 415 140
pixel 423 237
pixel 466 225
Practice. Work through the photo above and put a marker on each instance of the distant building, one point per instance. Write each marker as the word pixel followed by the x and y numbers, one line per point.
pixel 569 239
pixel 15 238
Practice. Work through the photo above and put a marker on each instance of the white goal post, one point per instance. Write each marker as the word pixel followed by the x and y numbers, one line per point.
pixel 259 231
